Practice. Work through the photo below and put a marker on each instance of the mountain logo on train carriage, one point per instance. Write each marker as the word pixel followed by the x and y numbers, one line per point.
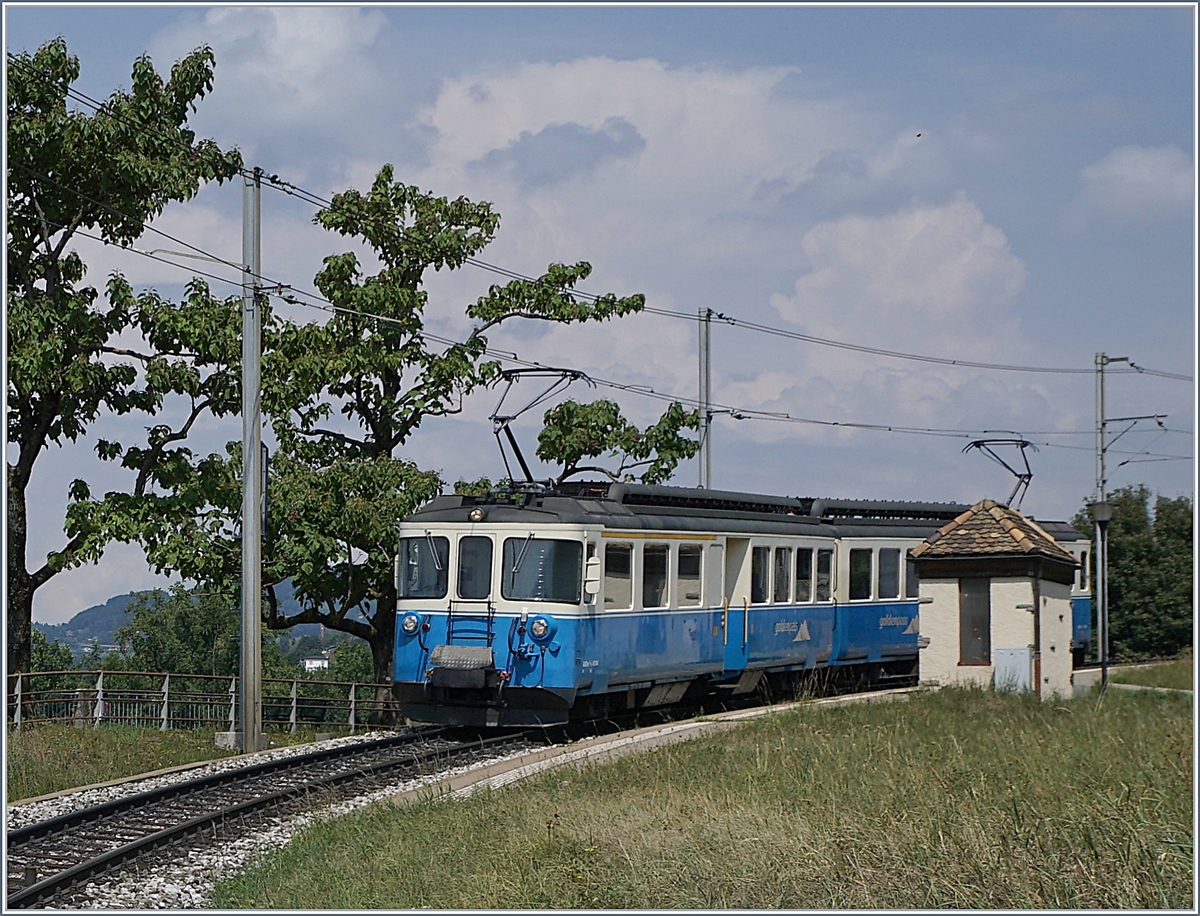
pixel 913 628
pixel 802 633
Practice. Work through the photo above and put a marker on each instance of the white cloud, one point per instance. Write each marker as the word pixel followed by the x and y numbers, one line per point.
pixel 935 279
pixel 703 143
pixel 1138 182
pixel 294 79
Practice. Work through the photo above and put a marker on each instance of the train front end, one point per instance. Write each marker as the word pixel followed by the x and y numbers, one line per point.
pixel 489 598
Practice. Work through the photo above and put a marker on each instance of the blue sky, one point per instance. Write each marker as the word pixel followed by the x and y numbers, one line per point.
pixel 763 162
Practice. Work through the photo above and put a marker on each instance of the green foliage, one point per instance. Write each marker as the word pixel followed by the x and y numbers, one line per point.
pixel 574 432
pixel 182 633
pixel 110 172
pixel 352 662
pixel 481 487
pixel 50 656
pixel 1149 573
pixel 343 398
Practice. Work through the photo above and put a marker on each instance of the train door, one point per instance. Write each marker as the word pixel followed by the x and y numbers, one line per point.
pixel 735 611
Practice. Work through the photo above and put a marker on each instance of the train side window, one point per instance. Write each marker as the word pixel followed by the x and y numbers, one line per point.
pixel 618 576
pixel 1083 572
pixel 804 574
pixel 860 573
pixel 912 582
pixel 688 579
pixel 888 583
pixel 474 567
pixel 760 574
pixel 783 574
pixel 654 575
pixel 542 569
pixel 824 575
pixel 422 567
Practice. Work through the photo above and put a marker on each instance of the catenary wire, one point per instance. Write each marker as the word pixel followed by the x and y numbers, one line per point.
pixel 292 189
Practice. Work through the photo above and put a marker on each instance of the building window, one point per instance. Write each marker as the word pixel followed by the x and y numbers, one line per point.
pixel 618 576
pixel 804 574
pixel 687 582
pixel 888 585
pixel 860 574
pixel 654 575
pixel 975 621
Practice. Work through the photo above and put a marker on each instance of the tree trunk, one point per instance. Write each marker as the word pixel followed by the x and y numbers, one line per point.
pixel 19 600
pixel 382 642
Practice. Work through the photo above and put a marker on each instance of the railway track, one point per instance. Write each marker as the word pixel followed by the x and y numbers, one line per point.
pixel 48 860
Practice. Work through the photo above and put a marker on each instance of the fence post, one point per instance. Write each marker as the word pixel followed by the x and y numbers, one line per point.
pixel 166 709
pixel 17 711
pixel 98 713
pixel 292 720
pixel 352 686
pixel 233 703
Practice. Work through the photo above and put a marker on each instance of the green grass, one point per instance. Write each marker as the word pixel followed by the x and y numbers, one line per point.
pixel 50 758
pixel 1176 674
pixel 960 799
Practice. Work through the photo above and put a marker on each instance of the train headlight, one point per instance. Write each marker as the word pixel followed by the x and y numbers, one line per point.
pixel 476 515
pixel 541 628
pixel 410 623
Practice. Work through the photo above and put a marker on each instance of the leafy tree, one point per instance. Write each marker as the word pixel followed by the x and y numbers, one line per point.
pixel 190 632
pixel 108 172
pixel 574 432
pixel 50 656
pixel 352 662
pixel 1149 573
pixel 182 633
pixel 344 397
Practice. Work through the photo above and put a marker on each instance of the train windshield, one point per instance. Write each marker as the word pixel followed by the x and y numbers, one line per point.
pixel 540 569
pixel 422 567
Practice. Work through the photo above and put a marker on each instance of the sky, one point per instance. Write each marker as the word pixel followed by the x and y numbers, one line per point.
pixel 1008 185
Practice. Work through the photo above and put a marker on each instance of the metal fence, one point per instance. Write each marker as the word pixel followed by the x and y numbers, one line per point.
pixel 166 701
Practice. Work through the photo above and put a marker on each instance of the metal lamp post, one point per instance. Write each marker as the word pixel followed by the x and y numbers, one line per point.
pixel 1102 513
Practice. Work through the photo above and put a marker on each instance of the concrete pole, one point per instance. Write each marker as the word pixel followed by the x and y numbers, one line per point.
pixel 251 732
pixel 705 398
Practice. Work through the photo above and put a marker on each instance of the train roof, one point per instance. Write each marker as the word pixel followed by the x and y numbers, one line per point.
pixel 630 506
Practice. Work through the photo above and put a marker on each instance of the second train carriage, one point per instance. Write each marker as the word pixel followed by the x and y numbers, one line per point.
pixel 517 609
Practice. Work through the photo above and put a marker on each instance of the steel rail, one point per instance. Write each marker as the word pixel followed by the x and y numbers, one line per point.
pixel 60 882
pixel 18 836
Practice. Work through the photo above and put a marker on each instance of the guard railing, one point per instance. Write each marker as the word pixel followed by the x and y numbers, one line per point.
pixel 170 701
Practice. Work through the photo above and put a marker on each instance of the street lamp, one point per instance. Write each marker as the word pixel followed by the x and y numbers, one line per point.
pixel 1102 513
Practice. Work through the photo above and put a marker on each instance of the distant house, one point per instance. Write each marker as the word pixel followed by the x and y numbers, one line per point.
pixel 315 663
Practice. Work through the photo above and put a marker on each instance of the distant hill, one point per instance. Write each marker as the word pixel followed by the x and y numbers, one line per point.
pixel 100 622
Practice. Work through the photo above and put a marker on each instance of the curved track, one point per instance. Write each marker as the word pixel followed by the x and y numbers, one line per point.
pixel 47 859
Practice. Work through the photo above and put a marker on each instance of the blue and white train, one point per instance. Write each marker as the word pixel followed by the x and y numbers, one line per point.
pixel 525 608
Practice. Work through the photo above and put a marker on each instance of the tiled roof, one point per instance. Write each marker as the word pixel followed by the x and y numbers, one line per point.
pixel 990 529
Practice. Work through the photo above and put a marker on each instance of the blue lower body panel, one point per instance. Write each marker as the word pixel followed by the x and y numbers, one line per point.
pixel 495 672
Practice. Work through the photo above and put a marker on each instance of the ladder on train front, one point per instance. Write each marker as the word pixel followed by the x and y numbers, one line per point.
pixel 471 622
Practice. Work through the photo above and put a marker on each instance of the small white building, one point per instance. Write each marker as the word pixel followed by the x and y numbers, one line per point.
pixel 315 663
pixel 996 604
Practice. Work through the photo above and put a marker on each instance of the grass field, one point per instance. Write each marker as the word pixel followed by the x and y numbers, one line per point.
pixel 1176 674
pixel 49 758
pixel 960 799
